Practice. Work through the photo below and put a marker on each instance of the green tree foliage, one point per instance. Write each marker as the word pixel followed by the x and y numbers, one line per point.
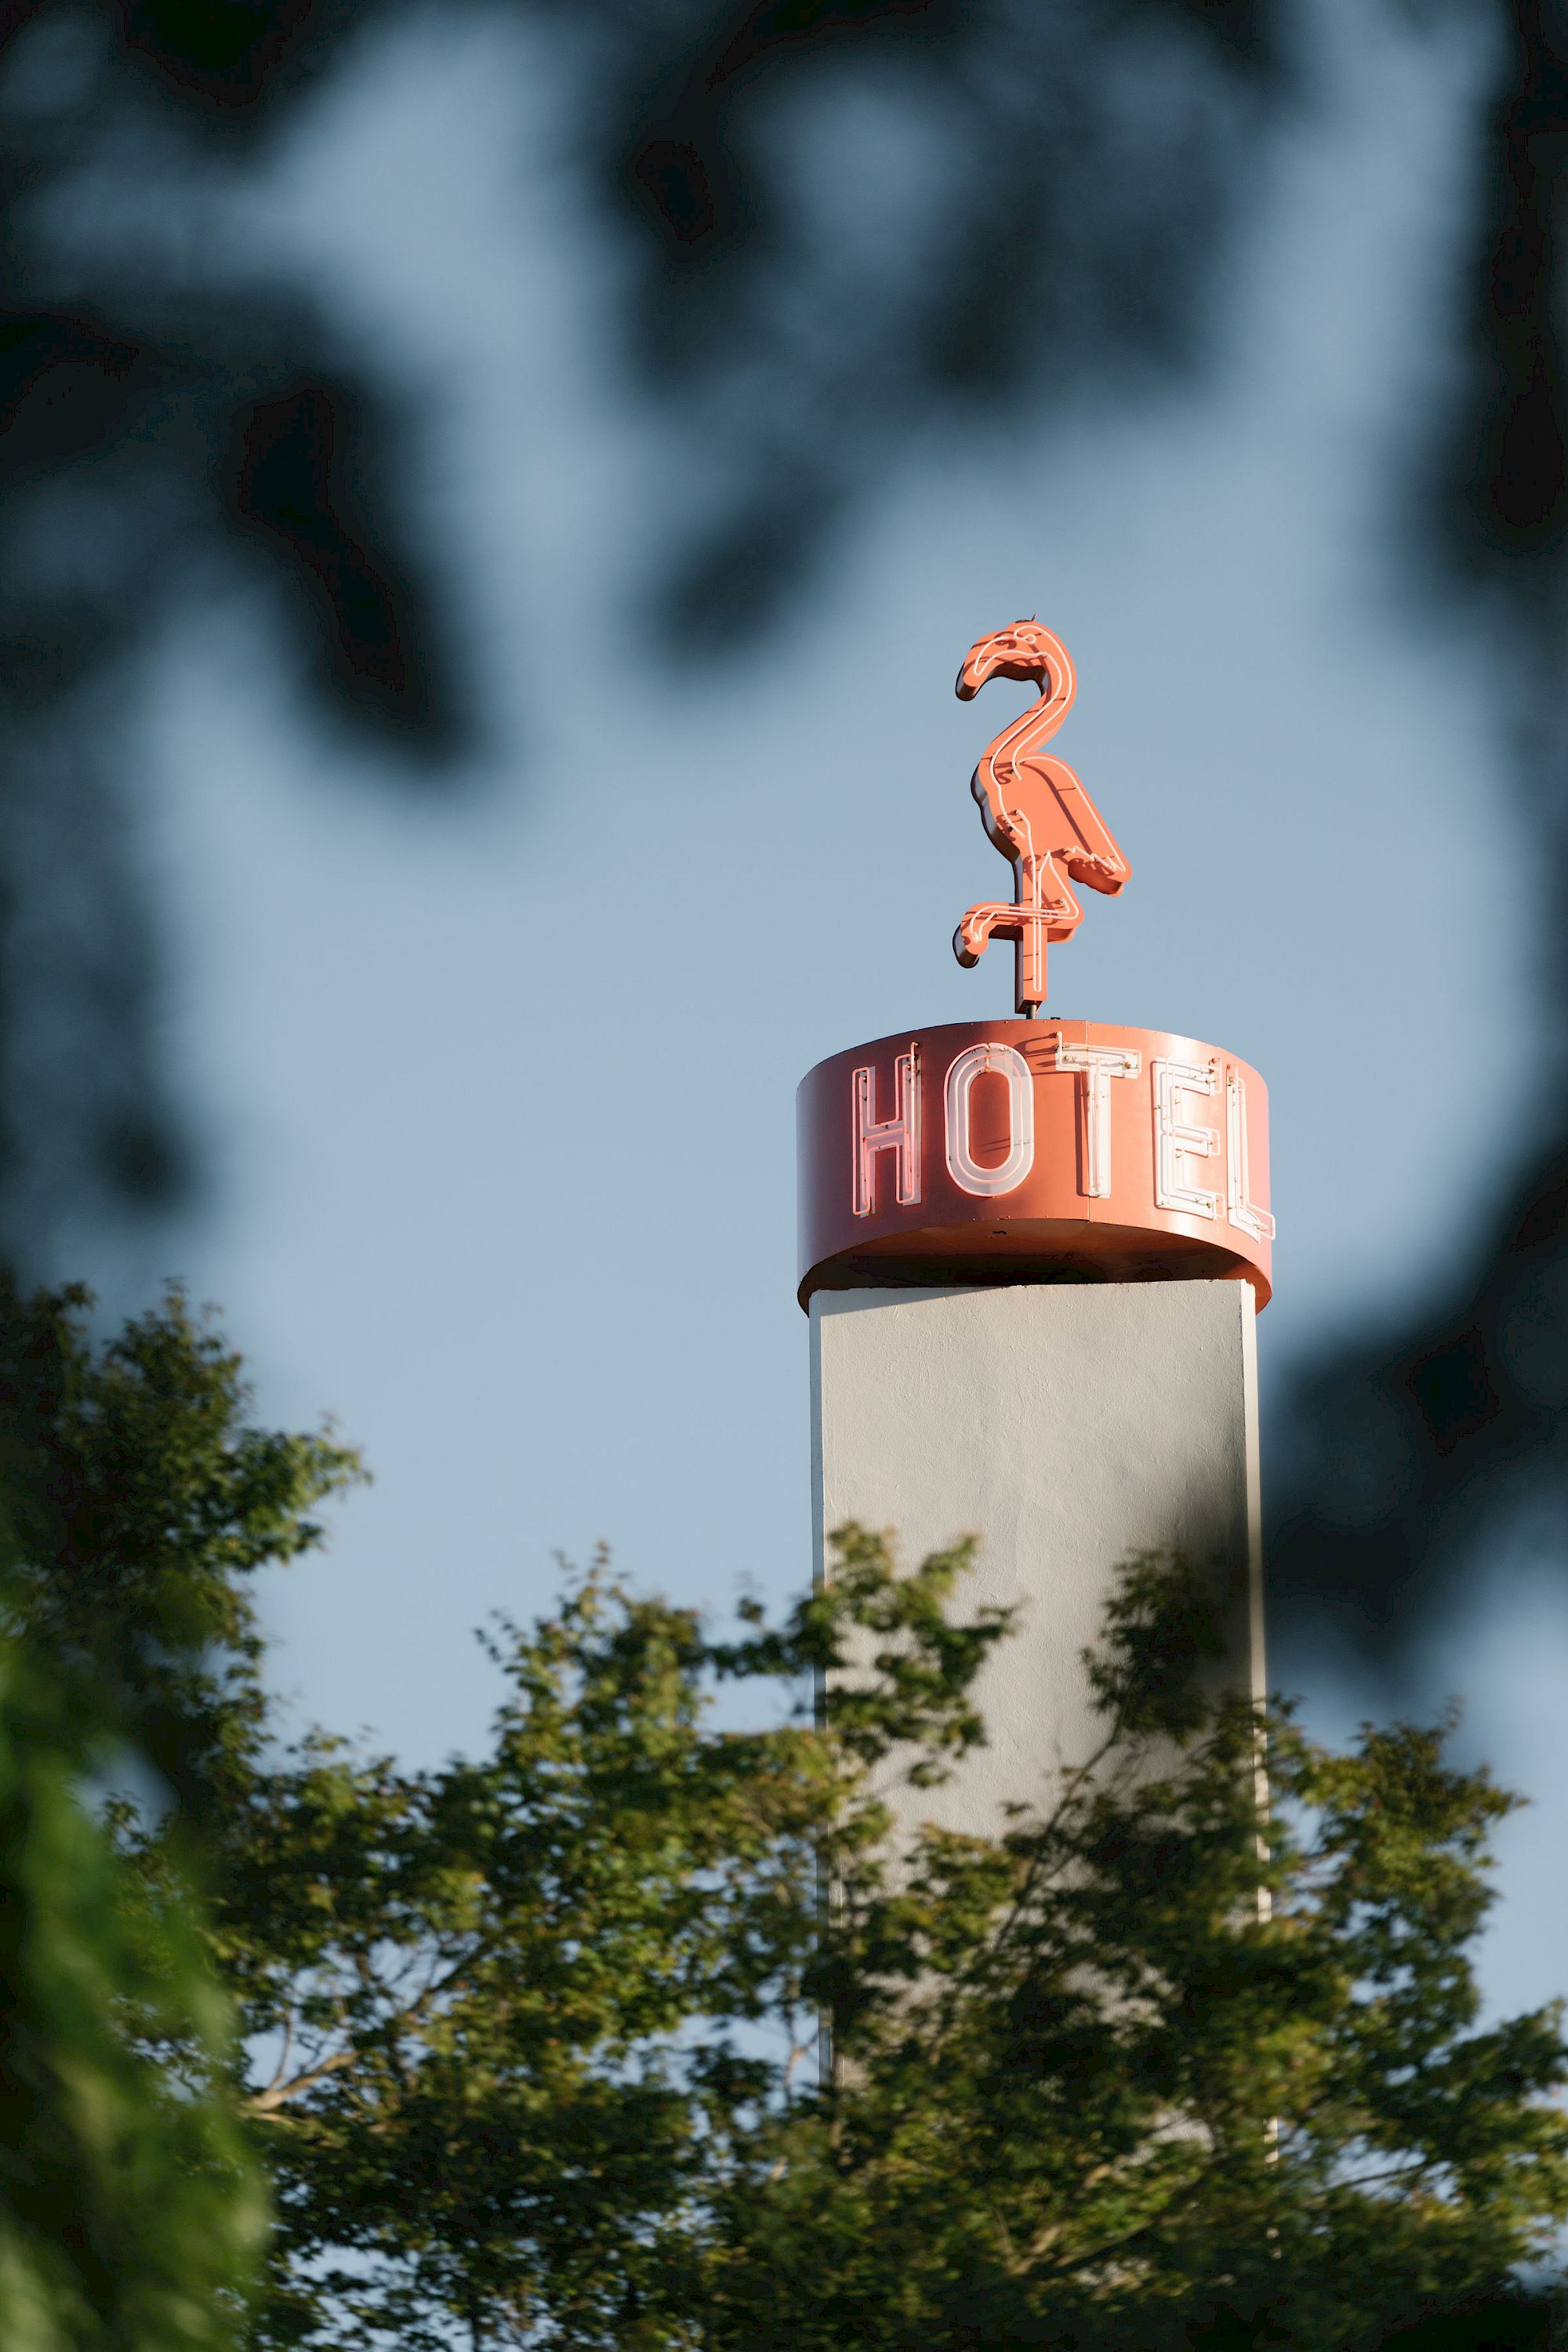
pixel 528 2043
pixel 129 2217
pixel 537 2032
pixel 132 1499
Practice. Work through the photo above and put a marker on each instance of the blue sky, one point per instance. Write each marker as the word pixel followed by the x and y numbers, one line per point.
pixel 457 1198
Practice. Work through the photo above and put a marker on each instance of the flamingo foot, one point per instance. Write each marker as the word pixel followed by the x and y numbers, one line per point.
pixel 979 925
pixel 973 934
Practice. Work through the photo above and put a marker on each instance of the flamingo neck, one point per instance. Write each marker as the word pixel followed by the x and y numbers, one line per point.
pixel 1027 721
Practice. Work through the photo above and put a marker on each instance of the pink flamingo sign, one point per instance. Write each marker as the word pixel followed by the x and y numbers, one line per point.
pixel 1035 811
pixel 1034 1150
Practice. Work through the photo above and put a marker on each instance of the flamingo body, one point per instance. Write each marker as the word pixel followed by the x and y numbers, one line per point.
pixel 1035 811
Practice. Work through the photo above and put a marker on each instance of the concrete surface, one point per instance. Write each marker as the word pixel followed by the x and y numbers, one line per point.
pixel 1067 1426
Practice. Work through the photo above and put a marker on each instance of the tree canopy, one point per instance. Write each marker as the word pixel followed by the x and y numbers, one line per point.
pixel 132 1502
pixel 527 2045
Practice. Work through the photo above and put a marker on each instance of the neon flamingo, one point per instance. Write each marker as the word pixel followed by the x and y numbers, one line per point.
pixel 1035 811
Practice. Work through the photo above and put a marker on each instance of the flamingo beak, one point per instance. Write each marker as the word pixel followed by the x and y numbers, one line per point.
pixel 977 666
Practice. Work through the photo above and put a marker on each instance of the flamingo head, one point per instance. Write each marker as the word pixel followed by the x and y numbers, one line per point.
pixel 1024 650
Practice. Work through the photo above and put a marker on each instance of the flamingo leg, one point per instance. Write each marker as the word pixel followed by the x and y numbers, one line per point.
pixel 1044 910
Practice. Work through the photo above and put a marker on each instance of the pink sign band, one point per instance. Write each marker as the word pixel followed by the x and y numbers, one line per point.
pixel 990 1151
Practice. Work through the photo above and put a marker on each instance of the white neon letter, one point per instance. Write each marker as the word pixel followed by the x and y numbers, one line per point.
pixel 1098 1064
pixel 962 1165
pixel 1242 1209
pixel 1176 1138
pixel 900 1135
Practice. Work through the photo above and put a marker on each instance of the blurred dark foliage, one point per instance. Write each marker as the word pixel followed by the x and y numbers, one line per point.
pixel 1415 1453
pixel 1517 2321
pixel 877 218
pixel 1020 196
pixel 161 427
pixel 848 224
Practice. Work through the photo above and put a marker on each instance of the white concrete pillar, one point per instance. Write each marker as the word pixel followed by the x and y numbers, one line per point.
pixel 1067 1425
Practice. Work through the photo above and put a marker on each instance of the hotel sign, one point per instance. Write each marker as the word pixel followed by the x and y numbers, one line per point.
pixel 1018 1150
pixel 1034 1149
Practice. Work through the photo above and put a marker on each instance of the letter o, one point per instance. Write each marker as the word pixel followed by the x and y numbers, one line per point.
pixel 962 1164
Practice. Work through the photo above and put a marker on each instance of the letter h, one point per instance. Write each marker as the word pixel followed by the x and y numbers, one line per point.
pixel 900 1135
